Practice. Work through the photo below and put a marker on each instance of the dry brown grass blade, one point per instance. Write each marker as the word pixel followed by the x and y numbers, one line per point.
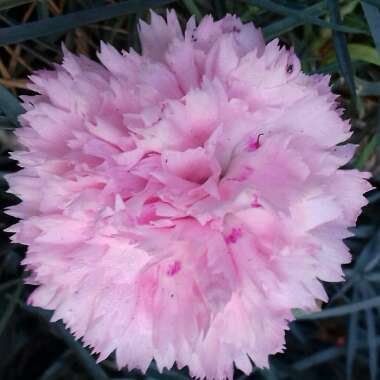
pixel 4 70
pixel 6 76
pixel 62 4
pixel 53 8
pixel 12 84
pixel 29 12
pixel 82 41
pixel 16 58
pixel 14 53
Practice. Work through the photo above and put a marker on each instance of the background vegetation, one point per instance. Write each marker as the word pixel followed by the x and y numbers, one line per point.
pixel 337 37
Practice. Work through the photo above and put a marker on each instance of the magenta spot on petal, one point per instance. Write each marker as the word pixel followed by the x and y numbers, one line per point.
pixel 244 175
pixel 174 268
pixel 254 143
pixel 234 235
pixel 241 177
pixel 255 203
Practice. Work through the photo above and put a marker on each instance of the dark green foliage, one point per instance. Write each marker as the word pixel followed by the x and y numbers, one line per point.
pixel 341 48
pixel 341 38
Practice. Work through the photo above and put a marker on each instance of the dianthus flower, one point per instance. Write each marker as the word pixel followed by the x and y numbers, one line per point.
pixel 177 205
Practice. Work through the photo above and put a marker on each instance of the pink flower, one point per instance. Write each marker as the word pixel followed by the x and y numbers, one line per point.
pixel 178 205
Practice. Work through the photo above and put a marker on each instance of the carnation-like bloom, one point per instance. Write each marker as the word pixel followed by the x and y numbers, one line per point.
pixel 178 204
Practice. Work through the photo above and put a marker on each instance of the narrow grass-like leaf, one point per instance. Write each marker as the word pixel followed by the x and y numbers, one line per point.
pixel 378 128
pixel 367 291
pixel 376 3
pixel 319 358
pixel 341 49
pixel 372 14
pixel 8 4
pixel 367 151
pixel 63 23
pixel 42 44
pixel 10 105
pixel 372 264
pixel 373 277
pixel 364 257
pixel 327 355
pixel 341 310
pixel 349 7
pixel 367 253
pixel 352 341
pixel 303 16
pixel 372 347
pixel 277 28
pixel 367 88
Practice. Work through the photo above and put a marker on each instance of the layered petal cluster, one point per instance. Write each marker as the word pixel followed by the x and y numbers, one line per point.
pixel 178 204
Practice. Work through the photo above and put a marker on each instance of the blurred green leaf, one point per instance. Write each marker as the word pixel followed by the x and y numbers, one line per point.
pixel 365 154
pixel 193 8
pixel 62 23
pixel 364 53
pixel 341 49
pixel 10 106
pixel 372 14
pixel 348 8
